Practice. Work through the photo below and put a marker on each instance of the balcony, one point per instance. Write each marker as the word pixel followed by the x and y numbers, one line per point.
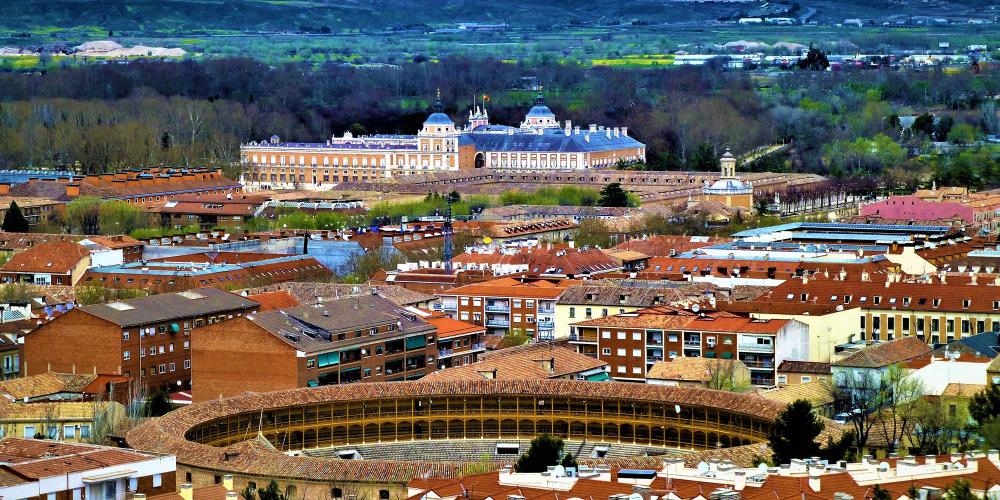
pixel 759 364
pixel 546 310
pixel 755 347
pixel 446 306
pixel 497 307
pixel 576 337
pixel 692 343
pixel 546 324
pixel 498 323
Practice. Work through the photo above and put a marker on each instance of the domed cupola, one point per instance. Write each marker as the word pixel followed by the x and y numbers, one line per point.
pixel 438 122
pixel 539 116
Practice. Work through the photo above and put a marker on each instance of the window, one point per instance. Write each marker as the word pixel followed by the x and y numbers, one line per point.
pixel 85 431
pixel 125 333
pixel 157 480
pixel 782 379
pixel 69 431
pixel 606 334
pixel 606 351
pixel 29 431
pixel 383 494
pixel 636 370
pixel 187 364
pixel 530 304
pixel 806 378
pixel 587 313
pixel 636 336
pixel 126 355
pixel 620 351
pixel 621 335
pixel 572 312
pixel 636 353
pixel 620 369
pixel 77 493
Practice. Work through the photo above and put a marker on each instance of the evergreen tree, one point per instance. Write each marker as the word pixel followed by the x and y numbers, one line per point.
pixel 985 404
pixel 613 195
pixel 794 433
pixel 545 450
pixel 271 492
pixel 568 461
pixel 880 493
pixel 815 60
pixel 14 221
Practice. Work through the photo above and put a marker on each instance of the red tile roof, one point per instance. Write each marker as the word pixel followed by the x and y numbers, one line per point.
pixel 886 353
pixel 448 328
pixel 57 257
pixel 529 361
pixel 511 287
pixel 277 299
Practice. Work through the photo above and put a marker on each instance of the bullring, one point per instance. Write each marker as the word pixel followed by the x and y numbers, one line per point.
pixel 258 437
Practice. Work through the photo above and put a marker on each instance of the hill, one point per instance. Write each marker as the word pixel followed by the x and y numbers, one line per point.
pixel 149 17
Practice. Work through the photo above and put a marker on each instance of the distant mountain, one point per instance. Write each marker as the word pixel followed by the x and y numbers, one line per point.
pixel 144 17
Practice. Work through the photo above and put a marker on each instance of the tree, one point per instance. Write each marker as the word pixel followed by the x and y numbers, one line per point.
pixel 722 376
pixel 593 233
pixel 568 461
pixel 880 493
pixel 704 158
pixel 612 195
pixel 158 403
pixel 545 450
pixel 794 432
pixel 985 404
pixel 961 489
pixel 924 124
pixel 84 215
pixel 963 133
pixel 899 396
pixel 14 221
pixel 271 492
pixel 815 60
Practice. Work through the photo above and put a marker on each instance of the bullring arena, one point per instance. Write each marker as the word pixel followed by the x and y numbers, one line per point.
pixel 326 442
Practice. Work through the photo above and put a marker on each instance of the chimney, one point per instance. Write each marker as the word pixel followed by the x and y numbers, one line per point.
pixel 227 482
pixel 814 478
pixel 138 496
pixel 232 495
pixel 4 188
pixel 625 131
pixel 576 130
pixel 72 190
pixel 739 480
pixel 187 491
pixel 930 459
pixel 593 128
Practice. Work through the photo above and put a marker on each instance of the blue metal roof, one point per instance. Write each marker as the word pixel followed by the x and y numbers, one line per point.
pixel 841 227
pixel 191 268
pixel 551 140
pixel 438 119
pixel 540 110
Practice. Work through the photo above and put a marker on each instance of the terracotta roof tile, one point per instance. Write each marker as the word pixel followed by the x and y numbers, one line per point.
pixel 886 353
pixel 58 257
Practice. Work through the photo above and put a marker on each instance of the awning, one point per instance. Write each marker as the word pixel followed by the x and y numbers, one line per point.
pixel 727 355
pixel 710 354
pixel 312 383
pixel 598 377
pixel 174 327
pixel 111 475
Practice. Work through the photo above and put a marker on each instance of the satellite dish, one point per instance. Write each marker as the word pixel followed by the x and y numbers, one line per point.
pixel 702 467
pixel 883 466
pixel 559 471
pixel 695 308
pixel 762 469
pixel 956 354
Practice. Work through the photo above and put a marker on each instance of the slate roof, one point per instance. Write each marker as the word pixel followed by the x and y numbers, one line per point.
pixel 553 140
pixel 438 119
pixel 612 295
pixel 167 306
pixel 313 328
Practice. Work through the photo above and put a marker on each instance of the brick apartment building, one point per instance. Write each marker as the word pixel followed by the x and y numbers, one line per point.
pixel 208 211
pixel 459 342
pixel 130 248
pixel 507 304
pixel 363 338
pixel 632 342
pixel 148 339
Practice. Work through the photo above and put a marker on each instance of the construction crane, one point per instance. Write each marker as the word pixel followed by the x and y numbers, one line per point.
pixel 448 250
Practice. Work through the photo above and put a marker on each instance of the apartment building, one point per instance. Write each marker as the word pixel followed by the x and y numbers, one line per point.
pixel 357 339
pixel 148 339
pixel 588 301
pixel 48 263
pixel 936 309
pixel 632 343
pixel 507 304
pixel 37 469
pixel 68 421
pixel 459 342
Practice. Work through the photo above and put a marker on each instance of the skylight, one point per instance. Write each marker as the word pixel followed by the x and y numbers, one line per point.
pixel 120 306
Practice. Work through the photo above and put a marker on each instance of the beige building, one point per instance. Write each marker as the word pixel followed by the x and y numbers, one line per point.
pixel 82 422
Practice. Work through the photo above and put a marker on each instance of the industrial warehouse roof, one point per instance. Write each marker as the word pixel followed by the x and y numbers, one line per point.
pixel 875 231
pixel 167 306
pixel 553 140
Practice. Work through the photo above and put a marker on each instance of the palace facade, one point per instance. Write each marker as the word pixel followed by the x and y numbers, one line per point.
pixel 538 143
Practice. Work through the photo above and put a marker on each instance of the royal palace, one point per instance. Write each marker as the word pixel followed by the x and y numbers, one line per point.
pixel 539 143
